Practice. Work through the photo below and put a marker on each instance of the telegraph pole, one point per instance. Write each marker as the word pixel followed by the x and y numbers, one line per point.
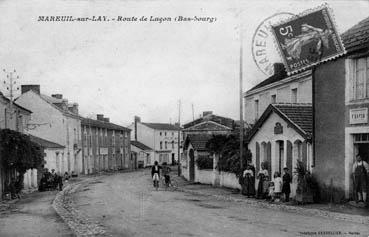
pixel 179 137
pixel 193 113
pixel 241 99
pixel 10 84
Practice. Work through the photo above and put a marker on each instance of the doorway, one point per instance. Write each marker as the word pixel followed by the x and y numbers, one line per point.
pixel 192 165
pixel 280 154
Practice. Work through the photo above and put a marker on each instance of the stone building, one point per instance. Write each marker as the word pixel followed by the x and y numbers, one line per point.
pixel 55 120
pixel 105 146
pixel 161 137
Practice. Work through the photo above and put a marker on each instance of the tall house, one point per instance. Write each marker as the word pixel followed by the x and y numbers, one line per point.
pixel 279 88
pixel 280 112
pixel 341 104
pixel 55 120
pixel 161 137
pixel 106 146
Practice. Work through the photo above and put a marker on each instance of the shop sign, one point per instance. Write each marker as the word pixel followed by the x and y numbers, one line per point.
pixel 278 129
pixel 359 116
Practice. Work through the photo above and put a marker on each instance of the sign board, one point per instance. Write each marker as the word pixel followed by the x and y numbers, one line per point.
pixel 359 116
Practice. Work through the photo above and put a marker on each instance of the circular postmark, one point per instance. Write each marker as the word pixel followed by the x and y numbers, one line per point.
pixel 263 49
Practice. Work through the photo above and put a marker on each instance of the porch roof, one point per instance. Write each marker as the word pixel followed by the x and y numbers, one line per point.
pixel 298 116
pixel 198 141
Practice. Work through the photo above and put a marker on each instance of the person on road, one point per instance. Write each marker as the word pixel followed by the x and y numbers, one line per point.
pixel 277 186
pixel 286 188
pixel 248 182
pixel 155 174
pixel 263 184
pixel 166 171
pixel 360 170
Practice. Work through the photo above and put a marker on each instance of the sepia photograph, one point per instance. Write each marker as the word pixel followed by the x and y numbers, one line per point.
pixel 179 118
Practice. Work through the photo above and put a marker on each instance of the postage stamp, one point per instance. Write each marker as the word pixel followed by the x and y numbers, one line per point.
pixel 263 44
pixel 308 39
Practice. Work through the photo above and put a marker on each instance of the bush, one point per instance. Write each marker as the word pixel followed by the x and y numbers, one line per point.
pixel 204 162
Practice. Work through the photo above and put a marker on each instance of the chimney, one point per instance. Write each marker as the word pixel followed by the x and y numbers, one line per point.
pixel 205 113
pixel 100 117
pixel 279 69
pixel 107 120
pixel 137 120
pixel 73 108
pixel 57 96
pixel 35 88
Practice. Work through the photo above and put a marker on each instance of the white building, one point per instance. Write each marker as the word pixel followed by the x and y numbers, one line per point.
pixel 55 120
pixel 280 110
pixel 143 153
pixel 161 137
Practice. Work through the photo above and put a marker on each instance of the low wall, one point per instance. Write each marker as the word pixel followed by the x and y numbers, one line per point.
pixel 229 180
pixel 204 176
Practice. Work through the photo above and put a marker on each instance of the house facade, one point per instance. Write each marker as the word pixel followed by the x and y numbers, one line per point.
pixel 105 146
pixel 55 120
pixel 209 123
pixel 280 110
pixel 13 117
pixel 143 153
pixel 341 103
pixel 161 137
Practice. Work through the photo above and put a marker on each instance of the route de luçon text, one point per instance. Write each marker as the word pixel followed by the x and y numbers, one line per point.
pixel 168 19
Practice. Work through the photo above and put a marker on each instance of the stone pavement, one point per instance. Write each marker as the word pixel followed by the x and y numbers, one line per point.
pixel 79 223
pixel 345 213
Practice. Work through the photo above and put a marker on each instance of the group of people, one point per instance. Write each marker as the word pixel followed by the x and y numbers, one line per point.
pixel 52 180
pixel 277 189
pixel 360 171
pixel 158 170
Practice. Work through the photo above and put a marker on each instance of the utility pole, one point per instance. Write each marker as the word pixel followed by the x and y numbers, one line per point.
pixel 10 84
pixel 241 99
pixel 193 113
pixel 179 138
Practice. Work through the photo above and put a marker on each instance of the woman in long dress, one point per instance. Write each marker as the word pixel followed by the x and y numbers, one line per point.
pixel 263 185
pixel 249 182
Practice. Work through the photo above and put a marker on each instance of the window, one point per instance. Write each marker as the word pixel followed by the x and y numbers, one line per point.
pixel 165 133
pixel 172 133
pixel 166 145
pixel 273 99
pixel 360 78
pixel 256 108
pixel 172 144
pixel 161 145
pixel 294 95
pixel 160 133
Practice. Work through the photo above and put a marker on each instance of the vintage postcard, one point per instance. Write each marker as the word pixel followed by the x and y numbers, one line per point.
pixel 184 118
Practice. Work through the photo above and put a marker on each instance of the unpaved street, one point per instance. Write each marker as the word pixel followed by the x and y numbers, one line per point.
pixel 127 205
pixel 33 215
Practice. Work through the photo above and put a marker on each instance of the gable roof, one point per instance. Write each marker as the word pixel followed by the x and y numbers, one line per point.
pixel 298 116
pixel 357 37
pixel 45 143
pixel 198 141
pixel 102 124
pixel 14 103
pixel 161 126
pixel 54 102
pixel 141 146
pixel 208 126
pixel 228 122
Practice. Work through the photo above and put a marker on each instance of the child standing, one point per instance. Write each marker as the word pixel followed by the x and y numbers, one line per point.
pixel 277 185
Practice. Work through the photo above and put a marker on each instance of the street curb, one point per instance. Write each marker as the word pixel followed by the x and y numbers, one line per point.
pixel 300 210
pixel 78 223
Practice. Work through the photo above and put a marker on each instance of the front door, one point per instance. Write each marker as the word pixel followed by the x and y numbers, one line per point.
pixel 192 165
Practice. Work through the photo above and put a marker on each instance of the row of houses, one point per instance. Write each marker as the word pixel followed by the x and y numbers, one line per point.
pixel 71 143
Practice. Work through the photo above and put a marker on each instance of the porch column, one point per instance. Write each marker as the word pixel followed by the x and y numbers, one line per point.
pixel 216 176
pixel 285 155
pixel 274 155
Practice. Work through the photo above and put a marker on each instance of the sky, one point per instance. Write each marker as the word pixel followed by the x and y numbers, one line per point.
pixel 123 69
